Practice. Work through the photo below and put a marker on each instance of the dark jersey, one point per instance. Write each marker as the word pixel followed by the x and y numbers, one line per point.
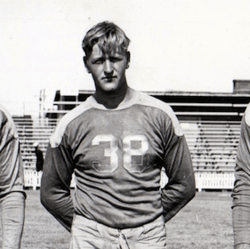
pixel 117 155
pixel 241 191
pixel 11 168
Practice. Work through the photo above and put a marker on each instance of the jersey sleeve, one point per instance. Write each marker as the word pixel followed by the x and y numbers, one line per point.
pixel 241 191
pixel 180 188
pixel 58 170
pixel 11 167
pixel 55 184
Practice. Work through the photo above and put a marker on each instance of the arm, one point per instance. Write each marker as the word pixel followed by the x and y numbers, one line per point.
pixel 12 211
pixel 55 184
pixel 180 188
pixel 241 208
pixel 241 191
pixel 12 195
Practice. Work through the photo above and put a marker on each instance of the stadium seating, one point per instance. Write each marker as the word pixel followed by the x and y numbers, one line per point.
pixel 213 145
pixel 31 131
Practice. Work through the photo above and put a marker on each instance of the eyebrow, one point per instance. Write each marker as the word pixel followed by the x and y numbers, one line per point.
pixel 97 57
pixel 94 59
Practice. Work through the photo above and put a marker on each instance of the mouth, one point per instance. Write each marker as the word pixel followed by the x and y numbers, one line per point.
pixel 109 79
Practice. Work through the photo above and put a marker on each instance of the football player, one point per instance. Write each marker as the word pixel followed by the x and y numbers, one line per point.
pixel 241 191
pixel 12 195
pixel 116 143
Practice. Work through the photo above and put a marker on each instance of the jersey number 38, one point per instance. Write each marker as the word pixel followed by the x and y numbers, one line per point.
pixel 129 151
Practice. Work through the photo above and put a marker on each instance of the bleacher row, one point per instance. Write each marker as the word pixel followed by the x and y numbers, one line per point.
pixel 213 147
pixel 31 131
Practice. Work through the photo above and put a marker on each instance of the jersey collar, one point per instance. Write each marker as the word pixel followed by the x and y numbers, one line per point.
pixel 129 100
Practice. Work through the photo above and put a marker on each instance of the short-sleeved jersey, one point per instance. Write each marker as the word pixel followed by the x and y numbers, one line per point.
pixel 11 169
pixel 117 155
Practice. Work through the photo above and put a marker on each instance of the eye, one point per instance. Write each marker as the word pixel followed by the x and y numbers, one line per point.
pixel 98 61
pixel 115 59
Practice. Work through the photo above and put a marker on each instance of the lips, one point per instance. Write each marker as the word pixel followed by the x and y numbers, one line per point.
pixel 109 78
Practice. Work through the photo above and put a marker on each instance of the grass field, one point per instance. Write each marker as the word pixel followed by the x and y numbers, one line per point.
pixel 205 223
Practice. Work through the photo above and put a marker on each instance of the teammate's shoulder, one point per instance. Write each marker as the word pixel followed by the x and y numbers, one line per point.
pixel 4 113
pixel 247 115
pixel 7 121
pixel 3 117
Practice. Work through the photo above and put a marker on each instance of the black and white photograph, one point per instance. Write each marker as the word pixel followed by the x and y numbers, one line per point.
pixel 125 124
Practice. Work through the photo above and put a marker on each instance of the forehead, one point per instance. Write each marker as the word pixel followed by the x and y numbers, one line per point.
pixel 98 52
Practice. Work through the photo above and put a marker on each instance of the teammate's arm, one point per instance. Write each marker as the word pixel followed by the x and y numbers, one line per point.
pixel 180 188
pixel 12 195
pixel 241 208
pixel 55 184
pixel 241 191
pixel 13 212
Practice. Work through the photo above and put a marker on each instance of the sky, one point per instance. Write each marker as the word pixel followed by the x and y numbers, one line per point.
pixel 176 45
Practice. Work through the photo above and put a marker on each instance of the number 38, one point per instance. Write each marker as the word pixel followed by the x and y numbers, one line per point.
pixel 128 152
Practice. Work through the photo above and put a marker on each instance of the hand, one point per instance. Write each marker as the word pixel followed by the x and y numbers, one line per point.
pixel 242 246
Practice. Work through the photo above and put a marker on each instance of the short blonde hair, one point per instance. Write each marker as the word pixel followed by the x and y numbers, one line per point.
pixel 108 36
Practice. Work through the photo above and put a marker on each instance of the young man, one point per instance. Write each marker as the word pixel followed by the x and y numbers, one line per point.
pixel 241 191
pixel 116 144
pixel 12 195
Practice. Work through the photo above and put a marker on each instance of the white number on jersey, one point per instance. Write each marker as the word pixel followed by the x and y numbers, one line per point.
pixel 108 152
pixel 128 152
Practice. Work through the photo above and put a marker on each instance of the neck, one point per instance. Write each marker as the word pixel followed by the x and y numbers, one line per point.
pixel 111 99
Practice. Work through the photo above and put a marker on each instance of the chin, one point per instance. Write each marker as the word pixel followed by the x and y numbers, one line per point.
pixel 110 88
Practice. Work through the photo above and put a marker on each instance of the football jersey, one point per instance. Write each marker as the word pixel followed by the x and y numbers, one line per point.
pixel 241 191
pixel 243 159
pixel 116 156
pixel 11 168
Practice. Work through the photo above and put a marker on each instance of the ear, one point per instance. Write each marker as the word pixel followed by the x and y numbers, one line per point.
pixel 86 64
pixel 128 59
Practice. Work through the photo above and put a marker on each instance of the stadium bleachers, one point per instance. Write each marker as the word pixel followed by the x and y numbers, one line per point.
pixel 213 145
pixel 31 131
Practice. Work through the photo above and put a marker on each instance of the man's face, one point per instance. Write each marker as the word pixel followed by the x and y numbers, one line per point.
pixel 108 70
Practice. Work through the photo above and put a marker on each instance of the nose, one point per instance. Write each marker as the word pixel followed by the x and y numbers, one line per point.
pixel 108 67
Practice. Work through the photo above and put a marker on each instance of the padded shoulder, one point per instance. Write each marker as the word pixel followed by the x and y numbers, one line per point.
pixel 247 115
pixel 56 137
pixel 146 100
pixel 6 118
